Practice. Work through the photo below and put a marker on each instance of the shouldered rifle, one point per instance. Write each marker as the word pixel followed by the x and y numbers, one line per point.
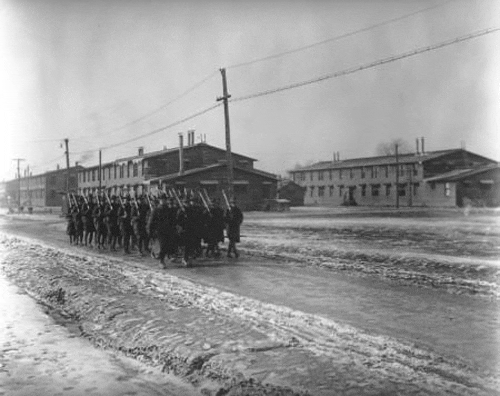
pixel 207 197
pixel 149 202
pixel 107 199
pixel 121 202
pixel 226 200
pixel 76 203
pixel 178 201
pixel 204 202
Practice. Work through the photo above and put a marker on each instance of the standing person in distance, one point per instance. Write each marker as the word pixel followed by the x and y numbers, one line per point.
pixel 233 219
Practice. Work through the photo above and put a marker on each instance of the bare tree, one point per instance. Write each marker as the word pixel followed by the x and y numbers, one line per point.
pixel 389 148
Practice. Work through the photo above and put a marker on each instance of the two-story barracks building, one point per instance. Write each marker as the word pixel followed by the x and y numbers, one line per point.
pixel 192 166
pixel 417 179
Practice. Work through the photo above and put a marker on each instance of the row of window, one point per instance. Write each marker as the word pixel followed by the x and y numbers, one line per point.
pixel 112 172
pixel 375 190
pixel 373 172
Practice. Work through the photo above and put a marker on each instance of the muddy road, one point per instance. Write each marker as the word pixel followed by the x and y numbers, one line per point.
pixel 391 282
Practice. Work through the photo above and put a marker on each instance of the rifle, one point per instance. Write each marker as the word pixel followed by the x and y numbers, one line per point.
pixel 178 201
pixel 149 202
pixel 107 199
pixel 136 204
pixel 121 202
pixel 204 202
pixel 207 197
pixel 226 200
pixel 76 204
pixel 85 199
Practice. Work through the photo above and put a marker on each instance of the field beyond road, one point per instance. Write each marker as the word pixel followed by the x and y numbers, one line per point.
pixel 352 301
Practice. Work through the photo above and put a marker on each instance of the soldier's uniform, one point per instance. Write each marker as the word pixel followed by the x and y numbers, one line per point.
pixel 234 218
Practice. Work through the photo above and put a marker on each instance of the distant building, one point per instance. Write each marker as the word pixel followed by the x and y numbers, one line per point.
pixel 288 189
pixel 437 178
pixel 46 189
pixel 194 167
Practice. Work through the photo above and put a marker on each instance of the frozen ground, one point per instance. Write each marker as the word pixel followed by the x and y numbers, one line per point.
pixel 303 341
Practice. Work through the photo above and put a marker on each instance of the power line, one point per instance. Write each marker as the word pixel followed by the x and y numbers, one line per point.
pixel 190 117
pixel 162 107
pixel 370 65
pixel 336 38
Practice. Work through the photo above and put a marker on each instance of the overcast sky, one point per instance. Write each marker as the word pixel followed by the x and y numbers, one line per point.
pixel 95 72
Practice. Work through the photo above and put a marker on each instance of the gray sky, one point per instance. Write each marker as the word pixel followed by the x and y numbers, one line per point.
pixel 87 70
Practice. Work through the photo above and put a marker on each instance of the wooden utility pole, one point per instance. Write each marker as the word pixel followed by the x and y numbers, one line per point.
pixel 66 141
pixel 229 159
pixel 100 171
pixel 397 177
pixel 19 179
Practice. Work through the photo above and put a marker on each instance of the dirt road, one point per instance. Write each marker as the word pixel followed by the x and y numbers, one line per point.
pixel 449 324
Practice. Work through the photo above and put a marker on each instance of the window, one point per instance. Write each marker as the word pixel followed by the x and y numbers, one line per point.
pixel 144 164
pixel 129 168
pixel 351 173
pixel 331 191
pixel 414 170
pixel 363 173
pixel 321 191
pixel 83 176
pixel 340 173
pixel 331 175
pixel 401 170
pixel 341 191
pixel 433 186
pixel 114 170
pixel 311 176
pixel 374 172
pixel 415 187
pixel 103 174
pixel 387 190
pixel 447 189
pixel 312 191
pixel 303 176
pixel 402 190
pixel 363 190
pixel 135 169
pixel 93 174
pixel 320 175
pixel 375 190
pixel 386 171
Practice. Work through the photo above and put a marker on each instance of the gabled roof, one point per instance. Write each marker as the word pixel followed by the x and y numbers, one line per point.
pixel 461 174
pixel 174 176
pixel 383 160
pixel 173 150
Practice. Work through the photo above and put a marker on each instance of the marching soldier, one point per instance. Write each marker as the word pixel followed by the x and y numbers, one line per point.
pixel 233 218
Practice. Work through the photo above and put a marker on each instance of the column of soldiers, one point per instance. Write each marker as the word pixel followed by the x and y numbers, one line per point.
pixel 183 229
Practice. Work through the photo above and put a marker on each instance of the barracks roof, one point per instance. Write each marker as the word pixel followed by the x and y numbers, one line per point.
pixel 173 176
pixel 175 149
pixel 461 174
pixel 381 160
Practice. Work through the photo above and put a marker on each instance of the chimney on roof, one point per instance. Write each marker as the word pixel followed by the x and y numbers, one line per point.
pixel 418 148
pixel 338 156
pixel 422 145
pixel 190 137
pixel 181 154
pixel 57 167
pixel 140 151
pixel 164 147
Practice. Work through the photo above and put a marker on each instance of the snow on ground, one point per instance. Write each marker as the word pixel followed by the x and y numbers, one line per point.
pixel 201 333
pixel 454 252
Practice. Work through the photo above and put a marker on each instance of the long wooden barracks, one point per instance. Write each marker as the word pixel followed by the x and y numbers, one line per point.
pixel 193 166
pixel 454 177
